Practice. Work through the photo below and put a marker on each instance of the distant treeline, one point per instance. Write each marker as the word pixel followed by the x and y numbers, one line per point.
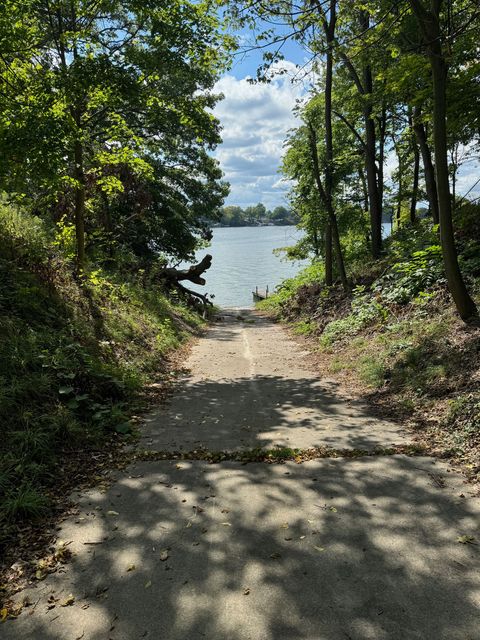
pixel 258 215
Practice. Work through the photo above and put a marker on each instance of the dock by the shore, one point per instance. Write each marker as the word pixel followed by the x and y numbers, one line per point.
pixel 260 294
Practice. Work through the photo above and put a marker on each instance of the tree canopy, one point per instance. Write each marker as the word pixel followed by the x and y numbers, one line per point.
pixel 392 82
pixel 106 119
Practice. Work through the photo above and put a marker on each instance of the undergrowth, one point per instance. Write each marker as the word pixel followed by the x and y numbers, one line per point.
pixel 74 355
pixel 395 335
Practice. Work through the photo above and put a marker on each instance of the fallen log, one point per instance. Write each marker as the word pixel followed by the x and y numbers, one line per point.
pixel 173 277
pixel 193 274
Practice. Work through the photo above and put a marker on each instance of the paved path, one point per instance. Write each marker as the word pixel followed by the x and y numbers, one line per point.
pixel 334 549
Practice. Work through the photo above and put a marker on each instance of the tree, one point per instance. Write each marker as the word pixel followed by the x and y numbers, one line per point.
pixel 118 97
pixel 429 19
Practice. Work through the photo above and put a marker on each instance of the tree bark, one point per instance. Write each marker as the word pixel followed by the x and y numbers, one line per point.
pixel 329 29
pixel 80 190
pixel 173 277
pixel 428 168
pixel 365 89
pixel 371 168
pixel 328 256
pixel 416 170
pixel 363 180
pixel 329 208
pixel 429 21
pixel 382 134
pixel 193 273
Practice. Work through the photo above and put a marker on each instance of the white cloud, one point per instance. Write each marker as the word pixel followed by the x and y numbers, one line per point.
pixel 255 119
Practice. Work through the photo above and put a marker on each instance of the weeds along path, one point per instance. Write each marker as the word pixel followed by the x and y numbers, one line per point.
pixel 357 547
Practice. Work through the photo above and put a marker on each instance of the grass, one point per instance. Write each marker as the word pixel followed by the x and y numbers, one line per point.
pixel 278 455
pixel 371 370
pixel 75 356
pixel 303 328
pixel 396 338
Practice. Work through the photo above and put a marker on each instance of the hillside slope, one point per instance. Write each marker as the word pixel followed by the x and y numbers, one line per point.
pixel 76 355
pixel 396 339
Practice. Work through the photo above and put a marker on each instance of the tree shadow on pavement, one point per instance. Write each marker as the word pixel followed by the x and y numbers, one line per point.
pixel 264 411
pixel 331 549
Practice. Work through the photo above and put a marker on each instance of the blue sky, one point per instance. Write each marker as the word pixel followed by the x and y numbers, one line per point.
pixel 255 120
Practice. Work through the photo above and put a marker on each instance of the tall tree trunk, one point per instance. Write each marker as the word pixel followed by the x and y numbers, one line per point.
pixel 365 89
pixel 429 21
pixel 371 153
pixel 363 180
pixel 329 208
pixel 400 194
pixel 382 134
pixel 416 170
pixel 464 303
pixel 428 168
pixel 373 195
pixel 329 29
pixel 454 166
pixel 79 204
pixel 328 256
pixel 332 237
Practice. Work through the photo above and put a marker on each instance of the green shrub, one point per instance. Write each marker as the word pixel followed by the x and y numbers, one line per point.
pixel 73 355
pixel 366 310
pixel 463 420
pixel 371 370
pixel 24 503
pixel 304 328
pixel 410 278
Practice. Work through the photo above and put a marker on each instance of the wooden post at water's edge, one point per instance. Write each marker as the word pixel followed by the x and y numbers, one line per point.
pixel 260 295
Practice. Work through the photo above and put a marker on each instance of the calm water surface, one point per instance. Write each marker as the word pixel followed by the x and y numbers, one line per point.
pixel 243 259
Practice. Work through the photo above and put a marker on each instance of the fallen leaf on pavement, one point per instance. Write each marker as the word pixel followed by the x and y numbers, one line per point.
pixel 164 555
pixel 68 601
pixel 466 539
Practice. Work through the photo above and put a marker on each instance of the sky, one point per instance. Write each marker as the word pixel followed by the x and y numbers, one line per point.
pixel 256 119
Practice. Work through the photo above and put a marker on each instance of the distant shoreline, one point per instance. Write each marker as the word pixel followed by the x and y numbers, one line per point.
pixel 243 226
pixel 267 224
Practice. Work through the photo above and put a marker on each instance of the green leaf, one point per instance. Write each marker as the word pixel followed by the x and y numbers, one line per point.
pixel 124 427
pixel 64 391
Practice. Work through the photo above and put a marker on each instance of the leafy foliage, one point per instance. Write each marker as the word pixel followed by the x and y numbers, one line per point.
pixel 73 357
pixel 118 97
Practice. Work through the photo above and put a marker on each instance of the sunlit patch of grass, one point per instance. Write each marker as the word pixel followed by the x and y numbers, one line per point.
pixel 371 370
pixel 303 328
pixel 337 365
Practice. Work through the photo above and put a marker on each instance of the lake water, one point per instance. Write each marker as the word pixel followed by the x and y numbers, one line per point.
pixel 243 259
